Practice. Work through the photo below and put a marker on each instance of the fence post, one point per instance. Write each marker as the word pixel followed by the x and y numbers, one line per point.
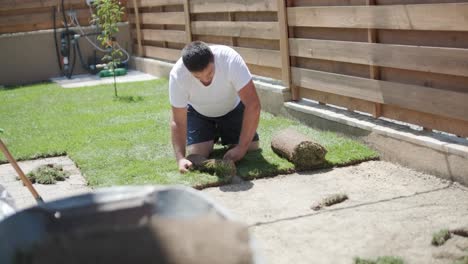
pixel 162 9
pixel 188 28
pixel 137 23
pixel 374 71
pixel 284 49
pixel 231 17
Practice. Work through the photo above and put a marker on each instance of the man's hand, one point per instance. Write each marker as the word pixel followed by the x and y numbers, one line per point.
pixel 184 165
pixel 235 154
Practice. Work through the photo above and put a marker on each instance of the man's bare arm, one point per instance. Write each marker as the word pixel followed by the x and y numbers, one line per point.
pixel 249 98
pixel 179 135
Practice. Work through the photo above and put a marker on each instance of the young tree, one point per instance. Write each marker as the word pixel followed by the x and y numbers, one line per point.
pixel 108 14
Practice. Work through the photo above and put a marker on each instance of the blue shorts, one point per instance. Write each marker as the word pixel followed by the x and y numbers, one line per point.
pixel 228 127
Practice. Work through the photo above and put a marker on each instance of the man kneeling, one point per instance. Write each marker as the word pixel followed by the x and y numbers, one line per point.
pixel 212 95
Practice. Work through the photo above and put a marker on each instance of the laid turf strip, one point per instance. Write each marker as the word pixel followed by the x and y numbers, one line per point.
pixel 126 140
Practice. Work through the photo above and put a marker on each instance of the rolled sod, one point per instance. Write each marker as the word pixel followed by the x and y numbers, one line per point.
pixel 439 238
pixel 225 169
pixel 463 232
pixel 329 201
pixel 299 149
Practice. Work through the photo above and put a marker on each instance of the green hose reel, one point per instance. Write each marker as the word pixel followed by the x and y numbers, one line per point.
pixel 110 73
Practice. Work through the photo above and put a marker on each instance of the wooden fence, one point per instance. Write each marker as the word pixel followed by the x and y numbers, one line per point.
pixel 405 62
pixel 401 59
pixel 30 15
pixel 250 27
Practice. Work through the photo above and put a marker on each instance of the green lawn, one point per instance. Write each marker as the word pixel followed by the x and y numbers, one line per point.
pixel 127 141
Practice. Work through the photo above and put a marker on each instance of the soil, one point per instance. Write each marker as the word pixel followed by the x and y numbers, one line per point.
pixel 391 211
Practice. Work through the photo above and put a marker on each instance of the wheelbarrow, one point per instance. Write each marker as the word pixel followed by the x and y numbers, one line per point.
pixel 132 224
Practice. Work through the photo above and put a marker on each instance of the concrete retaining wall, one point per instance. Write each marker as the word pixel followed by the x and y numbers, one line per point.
pixel 442 156
pixel 30 57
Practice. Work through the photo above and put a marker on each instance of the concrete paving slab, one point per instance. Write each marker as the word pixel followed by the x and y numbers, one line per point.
pixel 83 80
pixel 75 184
pixel 391 210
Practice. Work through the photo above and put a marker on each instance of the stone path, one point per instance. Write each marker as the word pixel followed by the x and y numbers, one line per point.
pixel 75 184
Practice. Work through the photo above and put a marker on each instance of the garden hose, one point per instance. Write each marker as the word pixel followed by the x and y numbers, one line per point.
pixel 65 44
pixel 70 48
pixel 54 17
pixel 110 73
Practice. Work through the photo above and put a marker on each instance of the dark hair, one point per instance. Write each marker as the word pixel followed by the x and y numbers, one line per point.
pixel 196 56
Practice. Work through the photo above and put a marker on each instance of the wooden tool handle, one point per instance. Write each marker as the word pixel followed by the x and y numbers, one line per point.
pixel 23 177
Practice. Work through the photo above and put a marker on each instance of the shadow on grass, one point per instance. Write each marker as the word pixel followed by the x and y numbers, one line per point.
pixel 19 86
pixel 253 165
pixel 129 99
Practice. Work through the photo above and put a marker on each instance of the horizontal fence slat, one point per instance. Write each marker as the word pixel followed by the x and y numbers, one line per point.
pixel 264 71
pixel 27 15
pixel 16 5
pixel 42 22
pixel 214 6
pixel 451 17
pixel 176 36
pixel 261 57
pixel 350 103
pixel 442 123
pixel 164 18
pixel 20 19
pixel 150 3
pixel 427 59
pixel 261 30
pixel 335 83
pixel 35 18
pixel 430 100
pixel 161 53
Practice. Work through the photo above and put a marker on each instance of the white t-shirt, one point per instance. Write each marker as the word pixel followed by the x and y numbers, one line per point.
pixel 218 98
